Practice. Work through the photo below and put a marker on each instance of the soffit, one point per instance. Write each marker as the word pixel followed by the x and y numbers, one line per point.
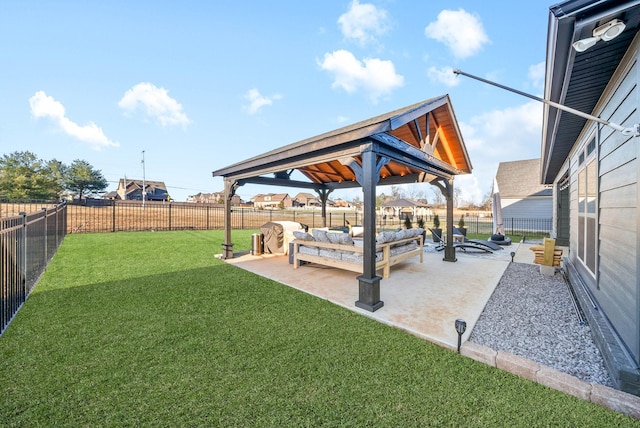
pixel 578 79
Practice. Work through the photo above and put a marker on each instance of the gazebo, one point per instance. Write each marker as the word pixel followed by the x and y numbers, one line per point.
pixel 420 143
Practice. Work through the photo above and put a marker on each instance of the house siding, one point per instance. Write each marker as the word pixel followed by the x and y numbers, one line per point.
pixel 532 207
pixel 618 291
pixel 615 287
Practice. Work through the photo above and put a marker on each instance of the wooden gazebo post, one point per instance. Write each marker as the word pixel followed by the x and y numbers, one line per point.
pixel 369 282
pixel 324 193
pixel 446 187
pixel 229 190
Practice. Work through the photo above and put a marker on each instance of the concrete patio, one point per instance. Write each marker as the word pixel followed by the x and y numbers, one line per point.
pixel 424 299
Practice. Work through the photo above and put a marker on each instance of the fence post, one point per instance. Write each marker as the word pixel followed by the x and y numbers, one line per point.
pixel 169 216
pixel 44 219
pixel 23 257
pixel 113 217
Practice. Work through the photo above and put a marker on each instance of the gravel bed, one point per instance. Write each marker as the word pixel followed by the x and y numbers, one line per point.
pixel 532 315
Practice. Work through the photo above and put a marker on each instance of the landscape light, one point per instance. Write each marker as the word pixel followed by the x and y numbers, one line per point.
pixel 461 327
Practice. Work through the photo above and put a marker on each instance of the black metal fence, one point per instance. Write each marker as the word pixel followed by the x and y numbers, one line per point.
pixel 27 244
pixel 97 215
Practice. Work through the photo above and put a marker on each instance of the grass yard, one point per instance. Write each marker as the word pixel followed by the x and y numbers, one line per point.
pixel 149 329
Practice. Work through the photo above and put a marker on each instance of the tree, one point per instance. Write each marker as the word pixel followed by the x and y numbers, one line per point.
pixel 83 180
pixel 57 172
pixel 24 176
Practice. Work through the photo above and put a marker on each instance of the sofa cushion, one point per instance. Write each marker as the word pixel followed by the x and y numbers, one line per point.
pixel 321 235
pixel 312 251
pixel 344 239
pixel 384 237
pixel 303 236
pixel 401 249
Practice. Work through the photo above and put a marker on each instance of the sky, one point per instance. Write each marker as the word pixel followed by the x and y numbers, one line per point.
pixel 200 85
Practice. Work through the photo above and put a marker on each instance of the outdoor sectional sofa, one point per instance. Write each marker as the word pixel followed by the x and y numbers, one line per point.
pixel 341 251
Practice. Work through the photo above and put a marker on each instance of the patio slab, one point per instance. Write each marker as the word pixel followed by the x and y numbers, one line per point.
pixel 424 299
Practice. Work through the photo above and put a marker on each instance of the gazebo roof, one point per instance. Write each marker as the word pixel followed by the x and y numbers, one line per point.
pixel 420 143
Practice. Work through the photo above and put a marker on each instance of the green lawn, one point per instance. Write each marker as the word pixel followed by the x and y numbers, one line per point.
pixel 149 329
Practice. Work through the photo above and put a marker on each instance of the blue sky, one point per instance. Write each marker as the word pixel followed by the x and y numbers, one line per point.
pixel 200 85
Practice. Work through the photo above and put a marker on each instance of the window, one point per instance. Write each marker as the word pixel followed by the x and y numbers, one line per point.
pixel 587 207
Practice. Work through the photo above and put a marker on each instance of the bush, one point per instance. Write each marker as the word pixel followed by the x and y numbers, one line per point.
pixel 436 221
pixel 407 222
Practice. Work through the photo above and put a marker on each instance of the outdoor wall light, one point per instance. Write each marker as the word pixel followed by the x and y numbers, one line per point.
pixel 461 327
pixel 606 32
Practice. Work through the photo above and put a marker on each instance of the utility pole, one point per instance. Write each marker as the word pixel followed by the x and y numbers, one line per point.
pixel 144 185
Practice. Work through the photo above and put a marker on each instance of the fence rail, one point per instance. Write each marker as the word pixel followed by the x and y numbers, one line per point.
pixel 27 244
pixel 96 215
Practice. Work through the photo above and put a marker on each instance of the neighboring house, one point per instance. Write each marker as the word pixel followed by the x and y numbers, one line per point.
pixel 595 169
pixel 341 203
pixel 129 190
pixel 272 201
pixel 306 200
pixel 521 194
pixel 402 208
pixel 113 195
pixel 213 198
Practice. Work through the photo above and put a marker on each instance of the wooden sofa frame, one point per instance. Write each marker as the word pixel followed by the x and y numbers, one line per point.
pixel 384 264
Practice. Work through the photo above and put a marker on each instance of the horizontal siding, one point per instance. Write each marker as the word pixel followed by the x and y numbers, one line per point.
pixel 621 197
pixel 527 208
pixel 618 176
pixel 615 300
pixel 622 220
pixel 620 156
pixel 617 292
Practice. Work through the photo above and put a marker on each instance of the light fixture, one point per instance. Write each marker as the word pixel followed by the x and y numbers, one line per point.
pixel 606 32
pixel 461 327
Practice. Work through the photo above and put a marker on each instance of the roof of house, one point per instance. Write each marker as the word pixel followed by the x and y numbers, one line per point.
pixel 271 197
pixel 420 142
pixel 578 79
pixel 305 195
pixel 138 183
pixel 519 179
pixel 403 203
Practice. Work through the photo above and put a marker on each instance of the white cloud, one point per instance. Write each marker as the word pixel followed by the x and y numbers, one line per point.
pixel 156 102
pixel 459 30
pixel 375 76
pixel 496 136
pixel 44 106
pixel 257 101
pixel 536 74
pixel 363 22
pixel 443 75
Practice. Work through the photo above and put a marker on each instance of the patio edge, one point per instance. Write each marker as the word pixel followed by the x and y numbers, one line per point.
pixel 611 398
